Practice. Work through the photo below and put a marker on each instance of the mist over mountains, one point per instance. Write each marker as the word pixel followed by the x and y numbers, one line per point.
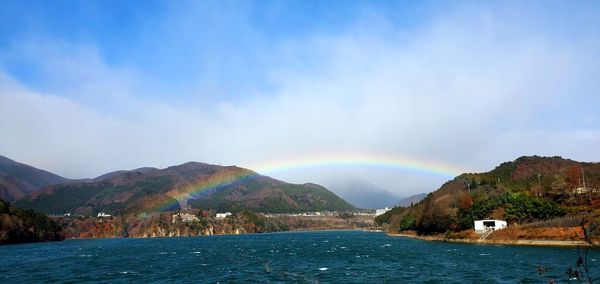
pixel 363 194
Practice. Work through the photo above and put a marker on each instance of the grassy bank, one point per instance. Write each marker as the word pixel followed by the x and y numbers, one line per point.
pixel 561 237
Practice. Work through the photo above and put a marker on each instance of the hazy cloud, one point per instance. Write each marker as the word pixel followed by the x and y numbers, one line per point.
pixel 473 88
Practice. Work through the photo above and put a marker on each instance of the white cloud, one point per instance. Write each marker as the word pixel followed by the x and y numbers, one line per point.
pixel 470 91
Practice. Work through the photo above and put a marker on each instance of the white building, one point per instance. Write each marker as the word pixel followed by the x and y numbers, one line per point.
pixel 481 226
pixel 583 190
pixel 381 211
pixel 102 215
pixel 223 215
pixel 185 217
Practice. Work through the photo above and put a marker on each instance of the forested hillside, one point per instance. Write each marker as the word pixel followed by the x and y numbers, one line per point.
pixel 524 190
pixel 19 225
pixel 192 184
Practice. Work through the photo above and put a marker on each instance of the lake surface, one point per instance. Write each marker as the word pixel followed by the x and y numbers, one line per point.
pixel 325 257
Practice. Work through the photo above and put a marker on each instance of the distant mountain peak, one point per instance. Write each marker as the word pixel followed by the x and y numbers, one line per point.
pixel 18 180
pixel 362 193
pixel 413 199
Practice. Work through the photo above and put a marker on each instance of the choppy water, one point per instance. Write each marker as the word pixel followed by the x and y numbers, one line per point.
pixel 325 257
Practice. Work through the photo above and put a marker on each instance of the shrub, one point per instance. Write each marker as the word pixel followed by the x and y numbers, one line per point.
pixel 408 222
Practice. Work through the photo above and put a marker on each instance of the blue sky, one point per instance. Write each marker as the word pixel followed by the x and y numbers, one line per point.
pixel 128 83
pixel 183 42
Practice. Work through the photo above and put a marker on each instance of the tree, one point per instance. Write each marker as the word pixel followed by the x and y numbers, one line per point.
pixel 473 184
pixel 466 202
pixel 434 219
pixel 573 176
pixel 581 270
pixel 407 222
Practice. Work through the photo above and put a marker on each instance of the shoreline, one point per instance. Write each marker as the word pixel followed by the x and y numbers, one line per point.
pixel 192 236
pixel 547 243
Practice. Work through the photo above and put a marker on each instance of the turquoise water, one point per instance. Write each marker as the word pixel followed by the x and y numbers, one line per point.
pixel 325 257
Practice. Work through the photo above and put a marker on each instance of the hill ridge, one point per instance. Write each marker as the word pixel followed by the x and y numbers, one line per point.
pixel 18 179
pixel 525 189
pixel 228 188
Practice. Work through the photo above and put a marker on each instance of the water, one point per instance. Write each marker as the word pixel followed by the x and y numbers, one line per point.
pixel 325 257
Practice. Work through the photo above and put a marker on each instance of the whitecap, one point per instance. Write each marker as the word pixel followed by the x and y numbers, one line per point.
pixel 126 272
pixel 163 252
pixel 323 268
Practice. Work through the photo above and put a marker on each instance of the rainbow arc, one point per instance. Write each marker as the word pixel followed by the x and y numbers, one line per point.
pixel 227 178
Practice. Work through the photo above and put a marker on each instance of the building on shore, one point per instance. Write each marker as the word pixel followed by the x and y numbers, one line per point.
pixel 584 190
pixel 223 215
pixel 185 217
pixel 381 211
pixel 101 215
pixel 482 226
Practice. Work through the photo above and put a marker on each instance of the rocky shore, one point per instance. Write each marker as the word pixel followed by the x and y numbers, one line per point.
pixel 164 225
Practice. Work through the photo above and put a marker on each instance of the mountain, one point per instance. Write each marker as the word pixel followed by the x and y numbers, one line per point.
pixel 18 180
pixel 413 199
pixel 121 172
pixel 527 189
pixel 362 193
pixel 192 184
pixel 19 225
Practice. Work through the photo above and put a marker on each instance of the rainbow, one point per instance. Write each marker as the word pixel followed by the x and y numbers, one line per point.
pixel 227 178
pixel 203 187
pixel 398 163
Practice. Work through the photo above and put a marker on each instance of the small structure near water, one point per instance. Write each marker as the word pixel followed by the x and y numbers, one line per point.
pixel 184 217
pixel 101 215
pixel 482 226
pixel 223 215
